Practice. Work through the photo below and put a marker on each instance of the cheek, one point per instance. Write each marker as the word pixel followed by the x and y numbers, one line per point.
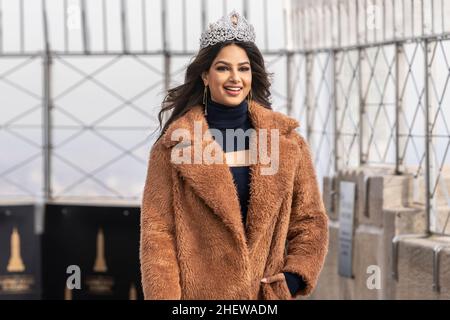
pixel 248 80
pixel 217 82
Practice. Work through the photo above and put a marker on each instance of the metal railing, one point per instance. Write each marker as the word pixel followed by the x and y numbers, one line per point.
pixel 102 67
pixel 376 75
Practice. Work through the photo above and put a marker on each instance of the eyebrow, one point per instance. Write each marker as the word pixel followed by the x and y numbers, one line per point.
pixel 224 62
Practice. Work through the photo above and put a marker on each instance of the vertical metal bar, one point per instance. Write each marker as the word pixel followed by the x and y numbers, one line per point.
pixel 309 94
pixel 362 107
pixel 224 7
pixel 336 54
pixel 428 135
pixel 295 33
pixel 394 20
pixel 349 28
pixel 184 26
pixel 144 25
pixel 432 17
pixel 310 27
pixel 66 32
pixel 442 15
pixel 246 7
pixel 294 22
pixel 204 12
pixel 365 22
pixel 412 18
pixel 1 26
pixel 266 19
pixel 123 20
pixel 46 114
pixel 403 18
pixel 305 27
pixel 422 16
pixel 316 26
pixel 384 19
pixel 331 25
pixel 398 107
pixel 357 22
pixel 166 46
pixel 317 21
pixel 22 27
pixel 375 21
pixel 339 24
pixel 289 88
pixel 289 20
pixel 105 26
pixel 289 55
pixel 84 26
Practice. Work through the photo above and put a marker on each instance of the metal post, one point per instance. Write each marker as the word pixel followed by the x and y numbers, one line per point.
pixel 166 48
pixel 289 56
pixel 123 18
pixel 335 58
pixel 85 29
pixel 266 25
pixel 289 89
pixel 398 108
pixel 428 139
pixel 66 31
pixel 47 106
pixel 362 108
pixel 105 26
pixel 309 94
pixel 1 26
pixel 22 27
pixel 246 9
pixel 144 25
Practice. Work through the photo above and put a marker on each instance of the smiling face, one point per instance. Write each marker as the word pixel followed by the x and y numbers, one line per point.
pixel 230 76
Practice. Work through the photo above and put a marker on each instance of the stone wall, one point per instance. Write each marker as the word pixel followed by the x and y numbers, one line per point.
pixel 389 233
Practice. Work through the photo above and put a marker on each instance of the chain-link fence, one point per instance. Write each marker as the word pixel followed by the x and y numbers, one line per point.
pixel 81 83
pixel 375 90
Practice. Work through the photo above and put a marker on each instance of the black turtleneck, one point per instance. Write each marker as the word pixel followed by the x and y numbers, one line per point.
pixel 224 117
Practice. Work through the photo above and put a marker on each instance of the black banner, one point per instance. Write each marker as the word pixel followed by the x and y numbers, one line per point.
pixel 84 252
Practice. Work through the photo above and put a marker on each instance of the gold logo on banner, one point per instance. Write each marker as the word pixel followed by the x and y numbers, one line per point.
pixel 100 262
pixel 100 284
pixel 133 292
pixel 15 263
pixel 16 283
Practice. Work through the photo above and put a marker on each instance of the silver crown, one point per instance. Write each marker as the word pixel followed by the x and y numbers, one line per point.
pixel 232 26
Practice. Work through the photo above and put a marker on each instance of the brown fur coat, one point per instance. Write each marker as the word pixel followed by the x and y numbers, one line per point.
pixel 193 242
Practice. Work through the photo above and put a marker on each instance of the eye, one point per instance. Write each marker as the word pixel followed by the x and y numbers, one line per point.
pixel 221 68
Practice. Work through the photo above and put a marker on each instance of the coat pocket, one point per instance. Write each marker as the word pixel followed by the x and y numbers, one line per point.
pixel 276 288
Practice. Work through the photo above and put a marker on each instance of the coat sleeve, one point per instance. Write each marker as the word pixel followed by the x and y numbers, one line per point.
pixel 307 239
pixel 159 265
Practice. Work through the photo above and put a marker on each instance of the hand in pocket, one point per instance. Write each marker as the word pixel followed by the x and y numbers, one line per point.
pixel 274 278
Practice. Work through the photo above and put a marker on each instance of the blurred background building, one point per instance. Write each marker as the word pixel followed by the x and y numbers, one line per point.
pixel 81 83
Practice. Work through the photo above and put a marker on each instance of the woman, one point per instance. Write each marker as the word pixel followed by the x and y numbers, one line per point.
pixel 220 225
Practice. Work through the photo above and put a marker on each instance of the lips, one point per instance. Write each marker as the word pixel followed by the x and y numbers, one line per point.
pixel 233 91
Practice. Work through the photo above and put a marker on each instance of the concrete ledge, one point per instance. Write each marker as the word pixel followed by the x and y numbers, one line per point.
pixel 415 277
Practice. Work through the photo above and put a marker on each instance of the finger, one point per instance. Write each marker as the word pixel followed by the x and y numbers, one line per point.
pixel 274 278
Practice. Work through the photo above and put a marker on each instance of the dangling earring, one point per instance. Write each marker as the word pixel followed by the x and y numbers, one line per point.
pixel 249 97
pixel 205 99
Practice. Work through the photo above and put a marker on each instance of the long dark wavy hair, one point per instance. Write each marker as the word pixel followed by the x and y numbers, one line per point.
pixel 182 98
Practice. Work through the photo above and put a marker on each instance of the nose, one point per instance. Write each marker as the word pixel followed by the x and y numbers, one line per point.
pixel 234 77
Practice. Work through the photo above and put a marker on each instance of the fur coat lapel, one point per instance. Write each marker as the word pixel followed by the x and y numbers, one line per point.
pixel 214 182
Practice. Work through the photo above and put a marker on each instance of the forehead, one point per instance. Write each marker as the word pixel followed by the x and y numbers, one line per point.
pixel 232 54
